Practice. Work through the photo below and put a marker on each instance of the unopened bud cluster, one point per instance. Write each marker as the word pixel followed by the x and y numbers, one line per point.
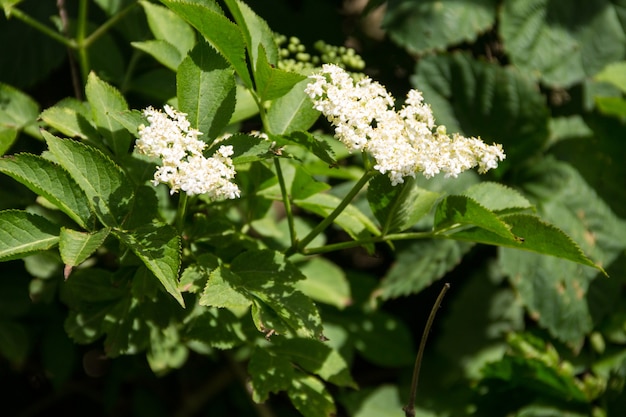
pixel 402 142
pixel 294 56
pixel 169 136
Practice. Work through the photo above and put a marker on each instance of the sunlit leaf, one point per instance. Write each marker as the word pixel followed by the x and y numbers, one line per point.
pixel 226 37
pixel 206 90
pixel 419 264
pixel 22 234
pixel 398 207
pixel 76 247
pixel 52 182
pixel 159 248
pixel 103 182
pixel 104 99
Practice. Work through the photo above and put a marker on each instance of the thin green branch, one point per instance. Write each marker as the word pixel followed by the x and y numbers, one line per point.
pixel 81 48
pixel 46 30
pixel 299 246
pixel 409 409
pixel 374 239
pixel 102 29
pixel 286 201
pixel 182 210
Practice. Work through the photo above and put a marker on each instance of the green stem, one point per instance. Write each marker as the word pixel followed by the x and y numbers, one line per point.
pixel 108 24
pixel 374 239
pixel 299 246
pixel 42 28
pixel 409 409
pixel 81 48
pixel 130 68
pixel 286 201
pixel 180 213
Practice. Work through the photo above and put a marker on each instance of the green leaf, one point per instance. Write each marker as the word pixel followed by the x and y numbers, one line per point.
pixel 88 287
pixel 256 32
pixel 381 338
pixel 498 198
pixel 571 204
pixel 103 182
pixel 325 282
pixel 614 73
pixel 268 373
pixel 104 99
pixel 292 112
pixel 246 148
pixel 597 156
pixel 455 210
pixel 310 397
pixel 399 207
pixel 316 357
pixel 266 280
pixel 206 90
pixel 532 366
pixel 159 248
pixel 352 220
pixel 546 38
pixel 420 264
pixel 163 51
pixel 246 106
pixel 14 341
pixel 270 278
pixel 317 147
pixel 131 120
pixel 127 329
pixel 539 410
pixel 166 26
pixel 221 33
pixel 17 112
pixel 52 182
pixel 533 235
pixel 554 291
pixel 85 327
pixel 167 351
pixel 224 289
pixel 612 106
pixel 194 277
pixel 218 328
pixel 72 118
pixel 384 401
pixel 482 99
pixel 23 233
pixel 423 26
pixel 272 83
pixel 76 247
pixel 267 321
pixel 304 185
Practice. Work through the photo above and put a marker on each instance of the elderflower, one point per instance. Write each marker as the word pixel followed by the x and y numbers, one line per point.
pixel 401 142
pixel 170 137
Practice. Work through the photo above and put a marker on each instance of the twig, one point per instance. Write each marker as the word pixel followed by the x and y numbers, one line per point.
pixel 76 83
pixel 409 409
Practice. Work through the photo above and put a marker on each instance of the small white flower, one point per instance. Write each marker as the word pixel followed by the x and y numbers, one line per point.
pixel 170 137
pixel 403 142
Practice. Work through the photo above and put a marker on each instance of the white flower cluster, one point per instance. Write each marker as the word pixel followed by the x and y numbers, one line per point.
pixel 402 142
pixel 170 137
